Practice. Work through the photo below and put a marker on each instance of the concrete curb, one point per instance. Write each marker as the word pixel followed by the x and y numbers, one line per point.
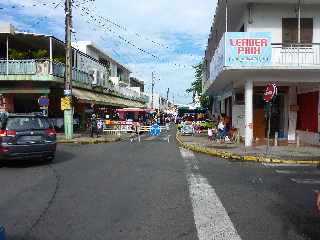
pixel 244 158
pixel 87 142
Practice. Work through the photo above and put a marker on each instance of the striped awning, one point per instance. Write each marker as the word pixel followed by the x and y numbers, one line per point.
pixel 104 99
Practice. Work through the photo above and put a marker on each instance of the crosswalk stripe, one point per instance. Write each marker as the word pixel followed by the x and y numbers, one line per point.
pixel 211 218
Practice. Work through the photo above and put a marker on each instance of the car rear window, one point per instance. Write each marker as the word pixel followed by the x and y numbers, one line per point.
pixel 27 123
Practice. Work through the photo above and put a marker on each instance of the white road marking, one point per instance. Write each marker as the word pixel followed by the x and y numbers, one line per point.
pixel 274 165
pixel 305 181
pixel 317 172
pixel 211 218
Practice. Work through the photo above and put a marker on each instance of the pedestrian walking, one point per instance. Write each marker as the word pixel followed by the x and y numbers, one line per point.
pixel 93 123
pixel 99 127
pixel 210 135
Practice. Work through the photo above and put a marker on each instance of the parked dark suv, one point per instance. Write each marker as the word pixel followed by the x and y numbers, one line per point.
pixel 24 136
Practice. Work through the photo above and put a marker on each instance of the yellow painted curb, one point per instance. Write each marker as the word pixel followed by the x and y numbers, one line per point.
pixel 245 158
pixel 87 142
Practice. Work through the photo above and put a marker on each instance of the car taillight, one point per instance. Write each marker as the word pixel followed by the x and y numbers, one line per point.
pixel 51 132
pixel 3 149
pixel 11 133
pixel 8 133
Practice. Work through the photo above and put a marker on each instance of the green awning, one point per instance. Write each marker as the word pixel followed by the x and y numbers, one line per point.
pixel 104 99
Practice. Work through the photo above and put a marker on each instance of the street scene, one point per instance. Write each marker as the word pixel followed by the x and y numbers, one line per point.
pixel 160 120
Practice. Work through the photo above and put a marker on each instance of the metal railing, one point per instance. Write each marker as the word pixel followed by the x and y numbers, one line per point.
pixel 295 54
pixel 45 67
pixel 18 67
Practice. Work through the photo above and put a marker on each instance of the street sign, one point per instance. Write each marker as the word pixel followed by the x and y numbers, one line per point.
pixel 270 92
pixel 65 103
pixel 67 92
pixel 155 130
pixel 43 102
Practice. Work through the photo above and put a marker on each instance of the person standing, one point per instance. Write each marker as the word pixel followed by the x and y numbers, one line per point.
pixel 210 135
pixel 93 126
pixel 99 127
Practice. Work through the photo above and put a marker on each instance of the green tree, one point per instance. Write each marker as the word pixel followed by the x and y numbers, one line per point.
pixel 196 86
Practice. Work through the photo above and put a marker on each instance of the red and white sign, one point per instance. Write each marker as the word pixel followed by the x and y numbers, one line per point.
pixel 270 92
pixel 249 46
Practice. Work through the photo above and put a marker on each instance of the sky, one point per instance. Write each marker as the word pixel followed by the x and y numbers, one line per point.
pixel 171 34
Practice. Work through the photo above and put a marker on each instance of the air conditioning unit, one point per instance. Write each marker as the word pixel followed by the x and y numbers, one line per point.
pixel 96 78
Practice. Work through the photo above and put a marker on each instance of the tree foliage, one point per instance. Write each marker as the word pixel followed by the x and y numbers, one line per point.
pixel 196 86
pixel 20 55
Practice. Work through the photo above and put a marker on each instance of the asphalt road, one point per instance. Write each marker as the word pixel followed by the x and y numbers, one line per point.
pixel 155 190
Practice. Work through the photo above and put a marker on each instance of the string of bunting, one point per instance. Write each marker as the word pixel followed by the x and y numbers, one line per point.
pixel 107 29
pixel 93 19
pixel 87 11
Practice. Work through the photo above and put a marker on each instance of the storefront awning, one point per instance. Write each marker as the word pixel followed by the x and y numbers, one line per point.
pixel 103 99
pixel 25 90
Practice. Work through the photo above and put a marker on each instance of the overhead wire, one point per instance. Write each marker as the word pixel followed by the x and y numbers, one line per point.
pixel 105 28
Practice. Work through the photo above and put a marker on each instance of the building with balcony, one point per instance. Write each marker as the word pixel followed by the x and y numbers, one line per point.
pixel 32 65
pixel 256 42
pixel 136 84
pixel 119 74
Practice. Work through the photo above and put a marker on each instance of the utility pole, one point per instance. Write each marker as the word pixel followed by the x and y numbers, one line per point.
pixel 168 91
pixel 68 112
pixel 152 89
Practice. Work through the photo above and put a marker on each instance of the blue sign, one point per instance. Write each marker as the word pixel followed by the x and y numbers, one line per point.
pixel 2 233
pixel 155 130
pixel 43 101
pixel 248 48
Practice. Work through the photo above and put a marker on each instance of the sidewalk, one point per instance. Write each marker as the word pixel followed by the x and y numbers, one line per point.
pixel 285 153
pixel 86 139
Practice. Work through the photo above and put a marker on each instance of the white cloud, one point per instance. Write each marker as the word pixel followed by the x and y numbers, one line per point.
pixel 182 25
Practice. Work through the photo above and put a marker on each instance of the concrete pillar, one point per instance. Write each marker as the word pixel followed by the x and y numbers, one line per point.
pixel 292 113
pixel 51 55
pixel 248 113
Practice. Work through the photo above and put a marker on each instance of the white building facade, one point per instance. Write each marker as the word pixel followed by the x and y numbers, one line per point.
pixel 256 42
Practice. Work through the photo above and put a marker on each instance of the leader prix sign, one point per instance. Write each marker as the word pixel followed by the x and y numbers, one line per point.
pixel 248 48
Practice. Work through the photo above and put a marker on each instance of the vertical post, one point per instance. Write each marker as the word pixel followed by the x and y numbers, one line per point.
pixel 269 126
pixel 50 55
pixel 168 91
pixel 248 113
pixel 68 113
pixel 7 54
pixel 299 22
pixel 276 135
pixel 226 15
pixel 152 90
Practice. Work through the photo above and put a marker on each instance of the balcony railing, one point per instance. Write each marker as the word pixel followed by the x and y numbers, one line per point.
pixel 43 67
pixel 16 67
pixel 295 54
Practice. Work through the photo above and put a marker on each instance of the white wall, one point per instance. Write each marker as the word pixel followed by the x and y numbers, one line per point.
pixel 268 18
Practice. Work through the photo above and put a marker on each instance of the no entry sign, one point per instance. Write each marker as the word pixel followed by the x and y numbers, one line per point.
pixel 270 92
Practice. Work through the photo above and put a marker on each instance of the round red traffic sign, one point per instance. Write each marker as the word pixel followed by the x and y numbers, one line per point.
pixel 270 92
